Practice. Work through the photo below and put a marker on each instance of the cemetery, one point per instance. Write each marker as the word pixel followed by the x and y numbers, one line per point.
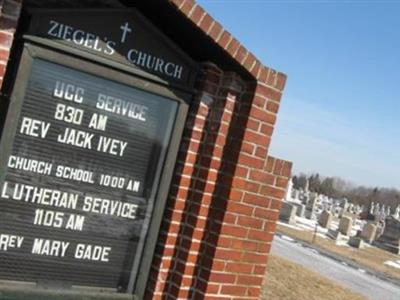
pixel 369 236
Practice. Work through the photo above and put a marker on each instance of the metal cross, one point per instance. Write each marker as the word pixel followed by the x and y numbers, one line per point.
pixel 125 29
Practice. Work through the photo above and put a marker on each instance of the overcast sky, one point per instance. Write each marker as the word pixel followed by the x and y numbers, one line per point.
pixel 340 111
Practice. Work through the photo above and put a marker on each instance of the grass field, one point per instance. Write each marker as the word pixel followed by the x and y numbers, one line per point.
pixel 288 281
pixel 370 257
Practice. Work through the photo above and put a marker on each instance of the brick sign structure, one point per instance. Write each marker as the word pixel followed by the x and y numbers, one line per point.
pixel 134 156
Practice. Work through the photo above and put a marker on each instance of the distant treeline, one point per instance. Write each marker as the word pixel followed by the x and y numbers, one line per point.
pixel 338 188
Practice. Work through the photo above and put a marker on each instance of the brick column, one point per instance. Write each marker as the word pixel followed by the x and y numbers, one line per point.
pixel 226 196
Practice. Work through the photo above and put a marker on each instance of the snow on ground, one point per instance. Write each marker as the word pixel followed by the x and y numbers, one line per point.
pixel 304 224
pixel 288 225
pixel 394 264
pixel 343 243
pixel 285 237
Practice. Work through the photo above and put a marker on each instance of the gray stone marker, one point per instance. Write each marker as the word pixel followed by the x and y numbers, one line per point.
pixel 325 219
pixel 301 208
pixel 368 232
pixel 390 238
pixel 289 190
pixel 396 214
pixel 379 231
pixel 312 202
pixel 336 236
pixel 345 225
pixel 356 242
pixel 296 194
pixel 288 213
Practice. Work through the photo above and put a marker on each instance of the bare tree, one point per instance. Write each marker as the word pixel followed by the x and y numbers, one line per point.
pixel 336 187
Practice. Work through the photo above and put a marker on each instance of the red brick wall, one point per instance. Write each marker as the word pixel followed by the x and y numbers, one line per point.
pixel 226 194
pixel 9 14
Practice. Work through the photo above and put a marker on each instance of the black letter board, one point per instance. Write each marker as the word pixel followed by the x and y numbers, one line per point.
pixel 87 151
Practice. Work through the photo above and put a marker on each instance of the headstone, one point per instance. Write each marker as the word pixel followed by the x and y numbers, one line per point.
pixel 388 211
pixel 301 209
pixel 305 198
pixel 289 190
pixel 379 230
pixel 365 212
pixel 350 208
pixel 345 225
pixel 336 210
pixel 356 242
pixel 312 202
pixel 296 194
pixel 325 219
pixel 306 189
pixel 354 217
pixel 368 232
pixel 372 208
pixel 326 206
pixel 311 206
pixel 344 203
pixel 390 238
pixel 339 238
pixel 397 213
pixel 288 213
pixel 383 212
pixel 376 209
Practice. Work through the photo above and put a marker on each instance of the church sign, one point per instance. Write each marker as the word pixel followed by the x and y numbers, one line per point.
pixel 122 37
pixel 88 149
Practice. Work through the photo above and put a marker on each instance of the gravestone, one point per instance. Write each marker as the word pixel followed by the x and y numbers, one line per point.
pixel 301 209
pixel 338 237
pixel 289 190
pixel 350 208
pixel 345 225
pixel 390 238
pixel 396 214
pixel 388 211
pixel 368 232
pixel 379 230
pixel 288 213
pixel 325 219
pixel 356 242
pixel 305 198
pixel 336 210
pixel 376 210
pixel 372 208
pixel 347 214
pixel 311 206
pixel 344 203
pixel 296 194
